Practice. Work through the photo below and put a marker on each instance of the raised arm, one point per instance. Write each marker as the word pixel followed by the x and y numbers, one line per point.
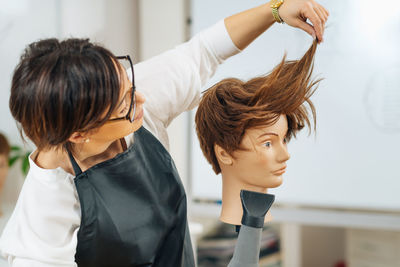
pixel 172 81
pixel 246 26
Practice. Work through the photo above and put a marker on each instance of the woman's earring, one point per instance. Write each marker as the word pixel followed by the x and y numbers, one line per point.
pixel 87 140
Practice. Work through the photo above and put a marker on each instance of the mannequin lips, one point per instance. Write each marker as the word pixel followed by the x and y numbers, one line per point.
pixel 280 171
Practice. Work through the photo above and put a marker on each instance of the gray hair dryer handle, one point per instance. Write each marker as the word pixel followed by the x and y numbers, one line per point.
pixel 255 206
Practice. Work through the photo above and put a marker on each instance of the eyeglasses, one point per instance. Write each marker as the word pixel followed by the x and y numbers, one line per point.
pixel 130 116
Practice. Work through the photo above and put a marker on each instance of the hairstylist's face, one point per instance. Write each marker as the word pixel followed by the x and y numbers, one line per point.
pixel 114 130
pixel 263 160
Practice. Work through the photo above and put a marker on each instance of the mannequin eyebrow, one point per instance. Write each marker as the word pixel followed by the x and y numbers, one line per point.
pixel 269 133
pixel 262 135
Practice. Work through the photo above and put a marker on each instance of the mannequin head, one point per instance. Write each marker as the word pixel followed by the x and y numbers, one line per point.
pixel 244 126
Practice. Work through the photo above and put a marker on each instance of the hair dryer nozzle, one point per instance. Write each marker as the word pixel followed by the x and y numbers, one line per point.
pixel 255 206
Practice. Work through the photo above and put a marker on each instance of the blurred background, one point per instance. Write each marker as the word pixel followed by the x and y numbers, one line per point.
pixel 339 204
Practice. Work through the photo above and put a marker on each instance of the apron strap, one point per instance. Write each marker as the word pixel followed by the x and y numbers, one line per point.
pixel 75 165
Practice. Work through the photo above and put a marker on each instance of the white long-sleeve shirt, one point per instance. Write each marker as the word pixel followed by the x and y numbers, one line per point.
pixel 42 230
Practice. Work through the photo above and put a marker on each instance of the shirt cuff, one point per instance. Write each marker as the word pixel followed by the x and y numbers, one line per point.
pixel 219 41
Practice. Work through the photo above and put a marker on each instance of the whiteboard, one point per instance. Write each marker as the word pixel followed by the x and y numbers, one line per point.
pixel 352 161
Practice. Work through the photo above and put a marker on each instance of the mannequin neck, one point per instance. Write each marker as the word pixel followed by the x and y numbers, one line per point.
pixel 232 210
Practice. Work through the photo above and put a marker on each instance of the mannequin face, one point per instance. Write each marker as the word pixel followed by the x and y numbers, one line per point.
pixel 262 161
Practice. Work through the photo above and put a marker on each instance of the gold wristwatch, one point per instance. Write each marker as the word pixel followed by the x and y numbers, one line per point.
pixel 275 4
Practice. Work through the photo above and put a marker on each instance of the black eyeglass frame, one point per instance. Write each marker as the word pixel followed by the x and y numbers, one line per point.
pixel 133 98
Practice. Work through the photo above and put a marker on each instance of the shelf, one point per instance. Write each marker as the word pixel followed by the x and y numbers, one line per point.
pixel 318 216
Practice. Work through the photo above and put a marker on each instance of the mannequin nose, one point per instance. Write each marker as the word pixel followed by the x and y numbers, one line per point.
pixel 284 154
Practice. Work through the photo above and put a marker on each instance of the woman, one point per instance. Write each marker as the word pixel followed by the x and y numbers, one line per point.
pixel 103 190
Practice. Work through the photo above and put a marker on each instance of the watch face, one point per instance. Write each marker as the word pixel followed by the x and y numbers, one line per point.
pixel 276 3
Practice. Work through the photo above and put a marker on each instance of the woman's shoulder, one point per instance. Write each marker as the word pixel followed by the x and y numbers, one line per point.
pixel 46 216
pixel 47 192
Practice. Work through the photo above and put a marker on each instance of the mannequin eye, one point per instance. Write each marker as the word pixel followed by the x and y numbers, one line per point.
pixel 267 144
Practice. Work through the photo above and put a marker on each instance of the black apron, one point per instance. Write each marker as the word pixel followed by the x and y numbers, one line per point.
pixel 133 209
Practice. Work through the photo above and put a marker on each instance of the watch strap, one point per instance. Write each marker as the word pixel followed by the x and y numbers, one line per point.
pixel 276 15
pixel 275 4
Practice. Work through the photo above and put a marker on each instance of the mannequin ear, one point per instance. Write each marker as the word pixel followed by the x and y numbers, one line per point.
pixel 77 138
pixel 223 156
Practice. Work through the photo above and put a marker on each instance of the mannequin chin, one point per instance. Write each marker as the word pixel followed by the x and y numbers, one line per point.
pixel 257 165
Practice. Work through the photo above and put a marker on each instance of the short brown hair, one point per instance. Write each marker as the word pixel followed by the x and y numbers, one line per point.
pixel 62 87
pixel 231 106
pixel 4 145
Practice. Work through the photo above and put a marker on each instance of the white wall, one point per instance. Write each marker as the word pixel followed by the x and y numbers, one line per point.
pixel 162 25
pixel 111 23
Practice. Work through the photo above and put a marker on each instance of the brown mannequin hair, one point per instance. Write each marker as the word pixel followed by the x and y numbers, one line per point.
pixel 231 106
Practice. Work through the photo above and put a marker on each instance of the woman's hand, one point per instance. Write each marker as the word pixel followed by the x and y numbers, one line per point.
pixel 246 26
pixel 296 12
